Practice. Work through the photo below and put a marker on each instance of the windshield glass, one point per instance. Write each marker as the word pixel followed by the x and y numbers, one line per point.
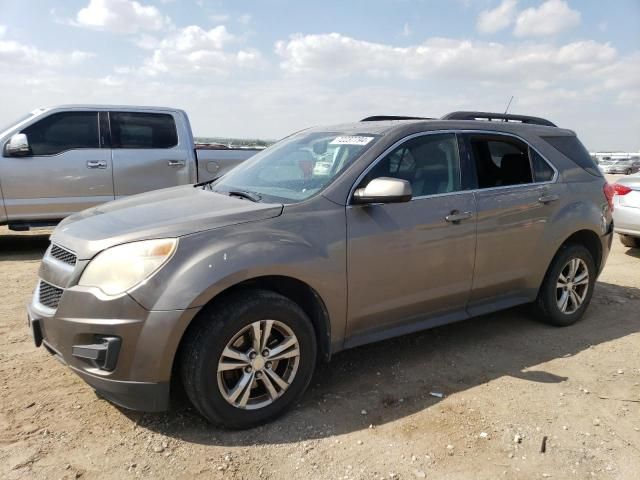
pixel 295 168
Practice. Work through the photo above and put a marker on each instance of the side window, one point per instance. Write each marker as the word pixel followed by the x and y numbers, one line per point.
pixel 542 171
pixel 430 163
pixel 143 130
pixel 64 131
pixel 500 161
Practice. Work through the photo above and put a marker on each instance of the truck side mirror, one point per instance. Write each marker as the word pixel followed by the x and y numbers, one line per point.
pixel 18 146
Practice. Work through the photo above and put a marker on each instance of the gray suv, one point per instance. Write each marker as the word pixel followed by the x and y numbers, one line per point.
pixel 332 238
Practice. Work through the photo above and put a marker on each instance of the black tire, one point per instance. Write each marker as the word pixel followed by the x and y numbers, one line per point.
pixel 629 241
pixel 628 172
pixel 216 326
pixel 546 304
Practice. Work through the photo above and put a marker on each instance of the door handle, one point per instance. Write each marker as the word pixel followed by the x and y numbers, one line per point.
pixel 96 164
pixel 176 163
pixel 455 216
pixel 548 198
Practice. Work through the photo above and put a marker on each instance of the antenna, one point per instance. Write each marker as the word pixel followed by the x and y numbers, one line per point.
pixel 508 105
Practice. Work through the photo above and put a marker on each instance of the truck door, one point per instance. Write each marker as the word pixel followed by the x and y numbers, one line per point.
pixel 66 170
pixel 146 152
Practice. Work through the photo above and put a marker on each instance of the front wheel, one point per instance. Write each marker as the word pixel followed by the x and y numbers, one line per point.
pixel 628 172
pixel 248 359
pixel 567 287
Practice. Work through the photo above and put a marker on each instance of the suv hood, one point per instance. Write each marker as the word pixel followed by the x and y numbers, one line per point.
pixel 170 212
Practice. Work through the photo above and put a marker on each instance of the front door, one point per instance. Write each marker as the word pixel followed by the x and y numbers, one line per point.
pixel 66 171
pixel 146 153
pixel 411 263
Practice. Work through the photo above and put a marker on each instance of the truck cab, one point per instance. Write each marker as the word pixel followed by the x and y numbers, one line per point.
pixel 60 160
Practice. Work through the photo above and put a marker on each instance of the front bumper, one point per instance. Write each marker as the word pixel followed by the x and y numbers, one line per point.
pixel 139 377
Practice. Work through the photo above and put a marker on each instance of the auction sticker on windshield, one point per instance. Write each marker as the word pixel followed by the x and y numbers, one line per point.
pixel 351 140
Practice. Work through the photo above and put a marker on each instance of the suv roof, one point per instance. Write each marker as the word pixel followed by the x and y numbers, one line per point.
pixel 463 120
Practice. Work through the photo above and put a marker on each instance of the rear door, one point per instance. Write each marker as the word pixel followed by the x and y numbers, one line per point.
pixel 411 262
pixel 516 195
pixel 146 152
pixel 67 170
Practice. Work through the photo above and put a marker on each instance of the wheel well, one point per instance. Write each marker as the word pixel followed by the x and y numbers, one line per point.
pixel 590 241
pixel 295 290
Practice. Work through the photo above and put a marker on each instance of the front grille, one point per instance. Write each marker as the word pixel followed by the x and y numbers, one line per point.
pixel 63 255
pixel 49 295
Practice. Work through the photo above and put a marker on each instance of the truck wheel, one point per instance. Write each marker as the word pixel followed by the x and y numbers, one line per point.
pixel 567 287
pixel 629 241
pixel 248 358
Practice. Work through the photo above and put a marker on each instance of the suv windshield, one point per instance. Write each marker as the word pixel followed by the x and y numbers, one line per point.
pixel 295 168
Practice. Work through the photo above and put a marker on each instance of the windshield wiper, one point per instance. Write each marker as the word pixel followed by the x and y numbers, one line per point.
pixel 254 197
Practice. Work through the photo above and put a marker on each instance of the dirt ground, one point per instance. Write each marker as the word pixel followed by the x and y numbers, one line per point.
pixel 508 382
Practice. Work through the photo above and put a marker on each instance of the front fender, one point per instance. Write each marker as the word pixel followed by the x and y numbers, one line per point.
pixel 307 244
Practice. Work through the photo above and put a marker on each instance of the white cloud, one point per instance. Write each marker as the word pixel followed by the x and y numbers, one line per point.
pixel 553 16
pixel 14 55
pixel 339 56
pixel 499 18
pixel 406 30
pixel 127 16
pixel 3 30
pixel 193 49
pixel 146 42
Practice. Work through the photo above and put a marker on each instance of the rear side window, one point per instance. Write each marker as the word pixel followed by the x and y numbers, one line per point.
pixel 143 130
pixel 500 161
pixel 64 131
pixel 573 149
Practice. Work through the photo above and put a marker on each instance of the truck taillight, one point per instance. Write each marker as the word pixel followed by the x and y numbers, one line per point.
pixel 609 192
pixel 620 189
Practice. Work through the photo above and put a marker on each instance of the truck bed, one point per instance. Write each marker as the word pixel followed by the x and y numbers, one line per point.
pixel 215 162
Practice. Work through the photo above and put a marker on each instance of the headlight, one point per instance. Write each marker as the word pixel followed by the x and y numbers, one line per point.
pixel 120 268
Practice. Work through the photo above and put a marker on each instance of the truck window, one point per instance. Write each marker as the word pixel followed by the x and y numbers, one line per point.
pixel 63 131
pixel 143 130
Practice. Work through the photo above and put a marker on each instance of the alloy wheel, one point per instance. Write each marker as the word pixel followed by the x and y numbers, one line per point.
pixel 258 364
pixel 572 286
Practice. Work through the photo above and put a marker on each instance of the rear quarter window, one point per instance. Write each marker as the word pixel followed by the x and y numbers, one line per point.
pixel 573 149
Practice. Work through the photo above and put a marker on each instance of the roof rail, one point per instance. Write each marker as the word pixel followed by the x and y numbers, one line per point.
pixel 378 118
pixel 503 117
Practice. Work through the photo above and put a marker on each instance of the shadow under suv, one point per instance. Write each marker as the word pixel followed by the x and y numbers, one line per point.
pixel 331 238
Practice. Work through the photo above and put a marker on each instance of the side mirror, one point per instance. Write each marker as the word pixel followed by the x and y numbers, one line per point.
pixel 384 190
pixel 18 146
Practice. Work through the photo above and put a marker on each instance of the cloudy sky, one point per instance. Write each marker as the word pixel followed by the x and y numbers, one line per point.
pixel 265 68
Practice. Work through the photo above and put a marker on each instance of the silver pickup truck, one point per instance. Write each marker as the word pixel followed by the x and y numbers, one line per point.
pixel 59 160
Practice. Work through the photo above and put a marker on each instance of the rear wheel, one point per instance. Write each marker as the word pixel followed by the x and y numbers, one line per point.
pixel 628 172
pixel 629 241
pixel 567 287
pixel 249 359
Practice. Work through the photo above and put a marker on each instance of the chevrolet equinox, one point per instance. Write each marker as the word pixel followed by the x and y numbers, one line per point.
pixel 331 238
